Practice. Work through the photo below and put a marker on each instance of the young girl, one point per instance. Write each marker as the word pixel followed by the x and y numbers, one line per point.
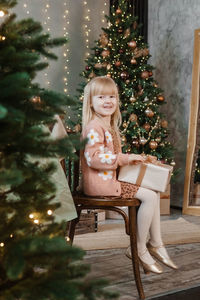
pixel 102 156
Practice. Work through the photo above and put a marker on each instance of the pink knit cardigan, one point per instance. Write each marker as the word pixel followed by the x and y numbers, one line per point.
pixel 99 162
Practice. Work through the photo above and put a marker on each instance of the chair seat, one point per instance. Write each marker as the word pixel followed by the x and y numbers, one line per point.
pixel 104 201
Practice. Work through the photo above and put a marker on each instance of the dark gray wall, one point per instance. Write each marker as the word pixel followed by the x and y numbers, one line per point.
pixel 170 36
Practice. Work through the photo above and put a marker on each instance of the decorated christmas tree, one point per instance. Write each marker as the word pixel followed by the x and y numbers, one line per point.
pixel 121 53
pixel 35 260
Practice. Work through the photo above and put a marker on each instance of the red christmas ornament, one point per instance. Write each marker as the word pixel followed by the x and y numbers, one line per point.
pixel 121 51
pixel 87 68
pixel 118 63
pixel 145 74
pixel 132 44
pixel 150 73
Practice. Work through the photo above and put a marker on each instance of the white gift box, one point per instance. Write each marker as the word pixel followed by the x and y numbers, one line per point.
pixel 155 177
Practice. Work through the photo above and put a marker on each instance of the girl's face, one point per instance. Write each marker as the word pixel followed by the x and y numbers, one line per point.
pixel 104 105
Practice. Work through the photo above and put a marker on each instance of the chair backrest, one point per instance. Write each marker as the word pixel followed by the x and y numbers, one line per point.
pixel 72 171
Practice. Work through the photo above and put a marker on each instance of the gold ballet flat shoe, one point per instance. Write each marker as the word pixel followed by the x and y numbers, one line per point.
pixel 155 251
pixel 154 268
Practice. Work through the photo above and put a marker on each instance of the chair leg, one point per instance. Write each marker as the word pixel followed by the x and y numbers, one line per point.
pixel 133 242
pixel 72 226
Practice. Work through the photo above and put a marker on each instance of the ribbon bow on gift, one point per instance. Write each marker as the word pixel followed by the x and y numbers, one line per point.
pixel 149 159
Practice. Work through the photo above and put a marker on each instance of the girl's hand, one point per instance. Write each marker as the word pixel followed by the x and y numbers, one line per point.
pixel 136 159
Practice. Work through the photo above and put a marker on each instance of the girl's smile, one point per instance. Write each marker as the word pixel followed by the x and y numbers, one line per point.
pixel 105 105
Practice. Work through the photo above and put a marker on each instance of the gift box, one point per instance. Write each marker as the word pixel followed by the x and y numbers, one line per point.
pixel 155 177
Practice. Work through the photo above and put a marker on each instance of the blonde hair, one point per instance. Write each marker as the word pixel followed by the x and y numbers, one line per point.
pixel 101 85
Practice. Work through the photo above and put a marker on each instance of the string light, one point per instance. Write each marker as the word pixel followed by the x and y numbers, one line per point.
pixel 49 212
pixel 103 13
pixel 25 6
pixel 36 221
pixel 86 27
pixel 66 47
pixel 67 239
pixel 46 23
pixel 2 14
pixel 31 216
pixel 1 244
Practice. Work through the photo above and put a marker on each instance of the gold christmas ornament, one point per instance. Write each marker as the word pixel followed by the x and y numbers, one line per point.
pixel 146 126
pixel 145 74
pixel 103 40
pixel 155 85
pixel 117 63
pixel 133 61
pixel 98 66
pixel 118 11
pixel 153 145
pixel 149 113
pixel 161 98
pixel 125 124
pixel 117 21
pixel 164 124
pixel 133 118
pixel 108 66
pixel 127 32
pixel 143 141
pixel 132 99
pixel 105 53
pixel 132 44
pixel 120 30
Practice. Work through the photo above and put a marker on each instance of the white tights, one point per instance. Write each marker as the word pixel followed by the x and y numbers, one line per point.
pixel 148 221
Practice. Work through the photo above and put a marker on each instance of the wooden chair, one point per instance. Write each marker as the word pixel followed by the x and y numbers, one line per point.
pixel 107 203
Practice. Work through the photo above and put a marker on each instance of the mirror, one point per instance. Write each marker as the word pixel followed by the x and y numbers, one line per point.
pixel 191 202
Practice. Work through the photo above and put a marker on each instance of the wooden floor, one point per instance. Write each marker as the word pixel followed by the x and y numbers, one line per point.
pixel 116 267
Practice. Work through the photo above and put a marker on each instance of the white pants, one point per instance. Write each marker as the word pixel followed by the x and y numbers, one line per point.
pixel 148 218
